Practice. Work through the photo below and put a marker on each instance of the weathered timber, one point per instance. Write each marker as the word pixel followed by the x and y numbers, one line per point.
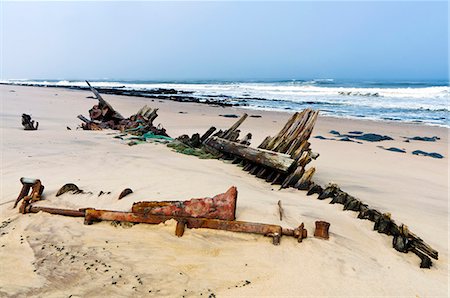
pixel 273 160
pixel 293 178
pixel 228 132
pixel 221 206
pixel 305 180
pixel 207 134
pixel 103 105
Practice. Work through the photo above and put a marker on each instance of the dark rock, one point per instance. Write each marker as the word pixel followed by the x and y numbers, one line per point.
pixel 424 139
pixel 334 132
pixel 255 116
pixel 229 116
pixel 393 149
pixel 372 137
pixel 431 154
pixel 357 132
pixel 321 138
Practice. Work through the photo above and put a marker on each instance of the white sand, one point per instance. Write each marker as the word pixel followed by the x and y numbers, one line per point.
pixel 53 257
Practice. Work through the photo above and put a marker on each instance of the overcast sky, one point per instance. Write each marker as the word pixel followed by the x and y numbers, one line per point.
pixel 224 40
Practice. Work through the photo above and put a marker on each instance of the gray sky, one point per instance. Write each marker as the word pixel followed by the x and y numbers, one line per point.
pixel 224 40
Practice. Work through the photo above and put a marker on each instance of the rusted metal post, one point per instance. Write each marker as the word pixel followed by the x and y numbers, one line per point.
pixel 36 191
pixel 321 230
pixel 179 230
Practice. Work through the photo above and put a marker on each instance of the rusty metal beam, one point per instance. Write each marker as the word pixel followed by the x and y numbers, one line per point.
pixel 274 231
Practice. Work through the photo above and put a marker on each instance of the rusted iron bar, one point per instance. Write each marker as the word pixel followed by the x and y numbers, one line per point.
pixel 274 231
pixel 57 211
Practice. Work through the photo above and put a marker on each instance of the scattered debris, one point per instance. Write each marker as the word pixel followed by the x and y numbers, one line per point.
pixel 431 154
pixel 28 124
pixel 321 230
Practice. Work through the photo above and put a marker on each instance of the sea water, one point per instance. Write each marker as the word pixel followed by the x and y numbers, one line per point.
pixel 424 102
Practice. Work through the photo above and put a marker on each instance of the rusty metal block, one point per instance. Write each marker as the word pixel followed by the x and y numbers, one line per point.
pixel 321 230
pixel 222 206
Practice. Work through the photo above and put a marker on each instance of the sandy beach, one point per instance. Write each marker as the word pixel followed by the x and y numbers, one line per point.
pixel 45 255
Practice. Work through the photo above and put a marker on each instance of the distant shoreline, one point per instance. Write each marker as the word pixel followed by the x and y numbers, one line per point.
pixel 222 100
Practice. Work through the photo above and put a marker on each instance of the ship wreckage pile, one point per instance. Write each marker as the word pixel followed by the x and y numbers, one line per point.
pixel 280 160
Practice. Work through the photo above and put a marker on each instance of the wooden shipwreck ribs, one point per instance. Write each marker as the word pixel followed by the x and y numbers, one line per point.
pixel 104 116
pixel 280 159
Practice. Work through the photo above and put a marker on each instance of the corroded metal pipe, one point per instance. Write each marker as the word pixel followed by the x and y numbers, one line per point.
pixel 58 211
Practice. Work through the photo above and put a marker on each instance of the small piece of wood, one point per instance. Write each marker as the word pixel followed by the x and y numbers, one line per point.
pixel 280 210
pixel 228 132
pixel 207 134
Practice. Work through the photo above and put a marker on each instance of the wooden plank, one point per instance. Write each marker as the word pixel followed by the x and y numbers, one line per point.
pixel 273 160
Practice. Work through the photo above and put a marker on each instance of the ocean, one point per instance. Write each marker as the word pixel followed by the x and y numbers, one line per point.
pixel 424 102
